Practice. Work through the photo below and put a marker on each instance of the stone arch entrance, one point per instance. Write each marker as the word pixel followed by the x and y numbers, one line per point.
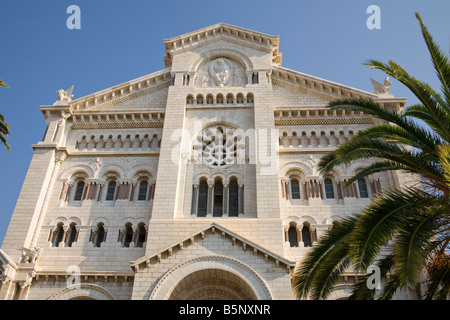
pixel 84 291
pixel 212 284
pixel 211 278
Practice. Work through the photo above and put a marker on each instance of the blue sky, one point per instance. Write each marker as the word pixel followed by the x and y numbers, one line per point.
pixel 122 40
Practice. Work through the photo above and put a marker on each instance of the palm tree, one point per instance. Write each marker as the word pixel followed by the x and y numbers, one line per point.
pixel 4 127
pixel 416 218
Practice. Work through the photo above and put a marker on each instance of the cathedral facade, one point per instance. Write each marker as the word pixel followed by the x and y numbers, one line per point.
pixel 198 181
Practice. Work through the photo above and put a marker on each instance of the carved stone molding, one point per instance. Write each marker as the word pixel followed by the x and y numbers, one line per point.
pixel 312 121
pixel 83 290
pixel 98 103
pixel 115 125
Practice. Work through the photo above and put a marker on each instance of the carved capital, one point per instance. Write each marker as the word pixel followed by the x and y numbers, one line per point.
pixel 60 156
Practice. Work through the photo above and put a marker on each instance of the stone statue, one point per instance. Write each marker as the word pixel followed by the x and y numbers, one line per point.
pixel 381 88
pixel 236 76
pixel 97 164
pixel 205 78
pixel 220 71
pixel 65 96
pixel 31 255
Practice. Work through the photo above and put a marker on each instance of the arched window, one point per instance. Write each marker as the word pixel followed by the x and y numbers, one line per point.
pixel 58 235
pixel 101 235
pixel 329 192
pixel 79 191
pixel 111 191
pixel 233 198
pixel 306 235
pixel 71 234
pixel 128 236
pixel 218 198
pixel 363 193
pixel 141 235
pixel 295 189
pixel 255 77
pixel 143 187
pixel 202 198
pixel 292 235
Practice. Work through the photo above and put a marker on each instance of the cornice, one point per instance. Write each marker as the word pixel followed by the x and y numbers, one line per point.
pixel 123 92
pixel 114 125
pixel 226 32
pixel 329 121
pixel 118 120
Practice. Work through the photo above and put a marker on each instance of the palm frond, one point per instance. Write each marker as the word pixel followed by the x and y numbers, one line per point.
pixel 440 61
pixel 412 240
pixel 360 290
pixel 421 91
pixel 444 158
pixel 363 147
pixel 379 166
pixel 380 220
pixel 305 275
pixel 419 111
pixel 390 288
pixel 4 132
pixel 397 134
pixel 330 271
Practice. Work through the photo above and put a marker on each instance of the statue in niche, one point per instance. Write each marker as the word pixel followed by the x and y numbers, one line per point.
pixel 220 71
pixel 205 78
pixel 236 76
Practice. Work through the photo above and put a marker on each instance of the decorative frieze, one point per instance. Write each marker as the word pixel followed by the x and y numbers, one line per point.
pixel 319 116
pixel 118 121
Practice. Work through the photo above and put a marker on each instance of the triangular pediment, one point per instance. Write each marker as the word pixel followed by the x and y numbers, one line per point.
pixel 213 228
pixel 319 91
pixel 225 32
pixel 146 92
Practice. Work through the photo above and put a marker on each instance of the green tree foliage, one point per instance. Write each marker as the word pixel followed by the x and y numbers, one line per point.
pixel 4 127
pixel 416 218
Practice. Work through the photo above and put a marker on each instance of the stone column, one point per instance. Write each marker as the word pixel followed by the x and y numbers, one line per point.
pixel 286 188
pixel 64 237
pixel 225 197
pixel 305 190
pixel 249 76
pixel 210 206
pixel 22 286
pixel 322 190
pixel 340 192
pixel 241 197
pixel 2 284
pixel 195 198
pixel 286 234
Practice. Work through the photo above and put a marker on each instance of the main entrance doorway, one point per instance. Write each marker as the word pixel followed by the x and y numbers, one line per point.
pixel 212 284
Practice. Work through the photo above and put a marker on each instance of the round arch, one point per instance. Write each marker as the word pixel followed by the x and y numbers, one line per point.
pixel 85 291
pixel 223 53
pixel 243 280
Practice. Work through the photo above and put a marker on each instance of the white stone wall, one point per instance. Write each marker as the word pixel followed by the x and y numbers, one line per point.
pixel 277 279
pixel 279 105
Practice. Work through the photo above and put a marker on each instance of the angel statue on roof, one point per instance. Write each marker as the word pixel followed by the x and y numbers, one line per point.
pixel 381 88
pixel 65 96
